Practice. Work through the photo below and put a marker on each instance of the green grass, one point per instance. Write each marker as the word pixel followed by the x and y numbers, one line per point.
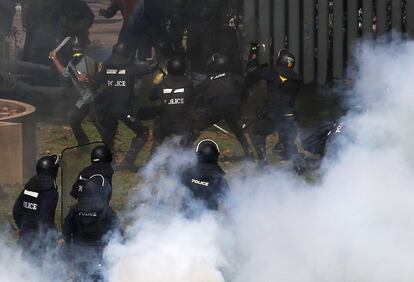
pixel 54 134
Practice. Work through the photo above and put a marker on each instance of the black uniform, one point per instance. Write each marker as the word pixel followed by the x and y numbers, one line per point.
pixel 115 102
pixel 87 229
pixel 277 114
pixel 220 98
pixel 175 93
pixel 104 169
pixel 206 182
pixel 34 212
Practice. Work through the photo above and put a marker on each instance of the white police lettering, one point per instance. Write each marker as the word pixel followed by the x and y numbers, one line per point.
pixel 122 72
pixel 199 182
pixel 167 91
pixel 218 76
pixel 30 206
pixel 80 188
pixel 176 101
pixel 339 129
pixel 88 214
pixel 118 83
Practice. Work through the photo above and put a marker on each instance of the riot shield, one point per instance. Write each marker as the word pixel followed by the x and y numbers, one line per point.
pixel 73 160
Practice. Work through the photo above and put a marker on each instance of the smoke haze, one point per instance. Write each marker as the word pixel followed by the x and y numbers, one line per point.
pixel 355 224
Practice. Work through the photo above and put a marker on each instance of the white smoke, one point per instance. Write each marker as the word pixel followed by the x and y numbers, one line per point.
pixel 356 223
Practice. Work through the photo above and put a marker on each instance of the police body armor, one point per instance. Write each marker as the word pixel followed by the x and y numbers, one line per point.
pixel 223 89
pixel 205 184
pixel 92 212
pixel 90 221
pixel 31 202
pixel 176 95
pixel 120 80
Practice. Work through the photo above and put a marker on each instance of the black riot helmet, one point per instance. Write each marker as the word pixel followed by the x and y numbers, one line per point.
pixel 176 66
pixel 101 154
pixel 218 63
pixel 98 188
pixel 48 165
pixel 285 59
pixel 208 151
pixel 121 49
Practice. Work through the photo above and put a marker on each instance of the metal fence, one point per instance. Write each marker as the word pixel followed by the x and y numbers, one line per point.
pixel 322 33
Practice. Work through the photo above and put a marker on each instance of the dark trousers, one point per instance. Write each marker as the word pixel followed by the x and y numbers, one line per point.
pixel 286 127
pixel 231 115
pixel 110 127
pixel 75 117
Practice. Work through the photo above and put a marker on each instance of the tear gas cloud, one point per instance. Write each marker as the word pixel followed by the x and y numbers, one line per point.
pixel 355 224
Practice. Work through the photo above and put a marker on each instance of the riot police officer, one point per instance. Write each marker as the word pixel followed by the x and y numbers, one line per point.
pixel 101 159
pixel 208 33
pixel 34 209
pixel 220 98
pixel 117 77
pixel 87 229
pixel 277 114
pixel 205 180
pixel 175 93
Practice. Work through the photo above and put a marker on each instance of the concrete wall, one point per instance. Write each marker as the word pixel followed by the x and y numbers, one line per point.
pixel 17 143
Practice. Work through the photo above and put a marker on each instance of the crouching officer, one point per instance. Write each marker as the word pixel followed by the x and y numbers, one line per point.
pixel 34 209
pixel 87 229
pixel 277 114
pixel 175 93
pixel 220 98
pixel 206 181
pixel 117 77
pixel 101 159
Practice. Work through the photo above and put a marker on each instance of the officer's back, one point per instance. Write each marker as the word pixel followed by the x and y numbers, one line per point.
pixel 34 210
pixel 101 158
pixel 206 180
pixel 175 93
pixel 91 218
pixel 222 87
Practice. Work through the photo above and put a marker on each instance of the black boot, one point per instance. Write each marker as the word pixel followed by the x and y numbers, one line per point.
pixel 128 163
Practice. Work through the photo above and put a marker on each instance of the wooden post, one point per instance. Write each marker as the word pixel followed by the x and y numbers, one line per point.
pixel 323 47
pixel 352 27
pixel 264 21
pixel 396 12
pixel 382 7
pixel 309 41
pixel 410 18
pixel 294 31
pixel 338 44
pixel 367 17
pixel 279 26
pixel 249 19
